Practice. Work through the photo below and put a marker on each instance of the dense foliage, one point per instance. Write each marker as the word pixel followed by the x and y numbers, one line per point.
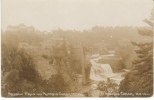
pixel 18 72
pixel 140 78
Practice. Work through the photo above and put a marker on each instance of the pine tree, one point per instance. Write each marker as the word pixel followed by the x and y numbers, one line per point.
pixel 140 79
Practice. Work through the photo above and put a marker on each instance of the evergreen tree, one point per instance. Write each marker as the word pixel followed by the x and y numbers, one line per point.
pixel 140 79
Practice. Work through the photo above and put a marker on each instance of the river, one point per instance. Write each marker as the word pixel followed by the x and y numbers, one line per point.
pixel 101 72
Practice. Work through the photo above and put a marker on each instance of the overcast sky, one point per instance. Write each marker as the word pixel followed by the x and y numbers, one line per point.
pixel 75 14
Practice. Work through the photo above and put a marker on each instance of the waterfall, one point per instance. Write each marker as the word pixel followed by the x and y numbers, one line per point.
pixel 99 71
pixel 107 68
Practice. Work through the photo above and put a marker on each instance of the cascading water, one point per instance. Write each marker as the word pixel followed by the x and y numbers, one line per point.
pixel 107 68
pixel 100 72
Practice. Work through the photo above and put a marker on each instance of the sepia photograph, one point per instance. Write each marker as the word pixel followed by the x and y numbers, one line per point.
pixel 77 48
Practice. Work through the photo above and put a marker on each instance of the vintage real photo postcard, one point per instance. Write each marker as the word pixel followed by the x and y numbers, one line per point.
pixel 77 48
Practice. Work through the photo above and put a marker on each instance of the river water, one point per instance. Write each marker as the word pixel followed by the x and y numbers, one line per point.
pixel 101 72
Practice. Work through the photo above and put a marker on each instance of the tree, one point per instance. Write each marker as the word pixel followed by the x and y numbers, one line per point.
pixel 140 79
pixel 18 72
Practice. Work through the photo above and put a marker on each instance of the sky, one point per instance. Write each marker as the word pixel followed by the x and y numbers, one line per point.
pixel 48 15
